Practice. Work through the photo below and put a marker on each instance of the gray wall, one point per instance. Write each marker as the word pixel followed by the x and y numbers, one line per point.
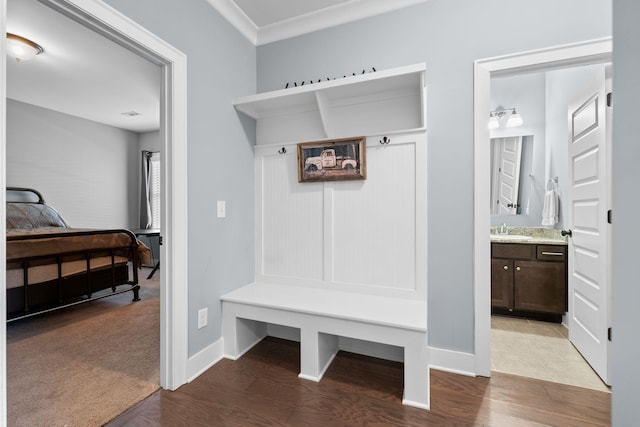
pixel 82 168
pixel 221 66
pixel 626 205
pixel 448 35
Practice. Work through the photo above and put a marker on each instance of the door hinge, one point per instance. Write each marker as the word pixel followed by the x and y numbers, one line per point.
pixel 609 334
pixel 609 99
pixel 160 240
pixel 609 216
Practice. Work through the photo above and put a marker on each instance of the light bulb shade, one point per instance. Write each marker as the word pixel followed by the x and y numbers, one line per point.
pixel 515 120
pixel 22 49
pixel 493 123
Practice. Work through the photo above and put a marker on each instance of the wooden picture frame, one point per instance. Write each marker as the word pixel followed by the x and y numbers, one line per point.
pixel 332 160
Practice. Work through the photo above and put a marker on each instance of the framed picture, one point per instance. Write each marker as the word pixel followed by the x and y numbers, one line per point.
pixel 332 160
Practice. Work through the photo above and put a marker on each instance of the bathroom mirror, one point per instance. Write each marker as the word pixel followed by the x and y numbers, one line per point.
pixel 510 173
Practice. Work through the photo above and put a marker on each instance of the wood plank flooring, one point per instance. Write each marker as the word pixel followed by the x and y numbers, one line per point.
pixel 262 389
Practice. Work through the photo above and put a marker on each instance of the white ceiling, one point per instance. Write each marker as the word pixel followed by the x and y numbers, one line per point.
pixel 80 72
pixel 83 74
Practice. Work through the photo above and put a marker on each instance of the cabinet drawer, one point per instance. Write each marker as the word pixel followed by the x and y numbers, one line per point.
pixel 513 250
pixel 552 253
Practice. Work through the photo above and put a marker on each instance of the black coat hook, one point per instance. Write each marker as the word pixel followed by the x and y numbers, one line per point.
pixel 282 151
pixel 385 140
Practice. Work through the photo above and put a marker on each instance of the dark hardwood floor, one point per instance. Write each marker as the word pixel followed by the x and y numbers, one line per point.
pixel 262 389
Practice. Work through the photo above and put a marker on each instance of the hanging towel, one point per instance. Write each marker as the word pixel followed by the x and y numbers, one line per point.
pixel 550 208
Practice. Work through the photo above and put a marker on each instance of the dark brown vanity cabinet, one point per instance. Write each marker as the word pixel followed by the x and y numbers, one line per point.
pixel 529 278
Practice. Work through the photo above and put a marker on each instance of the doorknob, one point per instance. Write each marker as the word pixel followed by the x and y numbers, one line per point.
pixel 566 233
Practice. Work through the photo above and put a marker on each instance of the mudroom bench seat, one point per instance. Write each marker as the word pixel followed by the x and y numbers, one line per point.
pixel 324 315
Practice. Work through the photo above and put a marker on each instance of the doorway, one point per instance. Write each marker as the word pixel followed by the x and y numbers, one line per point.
pixel 591 52
pixel 528 346
pixel 173 308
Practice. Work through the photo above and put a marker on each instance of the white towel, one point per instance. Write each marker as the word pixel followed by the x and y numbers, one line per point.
pixel 550 208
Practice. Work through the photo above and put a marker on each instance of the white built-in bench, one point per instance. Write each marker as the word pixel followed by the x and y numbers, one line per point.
pixel 324 315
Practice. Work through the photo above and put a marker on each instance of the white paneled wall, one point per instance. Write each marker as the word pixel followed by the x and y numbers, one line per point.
pixel 291 226
pixel 374 230
pixel 366 236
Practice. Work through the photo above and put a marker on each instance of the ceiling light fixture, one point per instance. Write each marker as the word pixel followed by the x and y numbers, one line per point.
pixel 495 116
pixel 22 49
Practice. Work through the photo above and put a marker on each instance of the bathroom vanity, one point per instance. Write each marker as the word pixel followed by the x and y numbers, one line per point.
pixel 529 276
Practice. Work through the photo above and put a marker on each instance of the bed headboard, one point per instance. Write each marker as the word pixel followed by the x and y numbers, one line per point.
pixel 26 209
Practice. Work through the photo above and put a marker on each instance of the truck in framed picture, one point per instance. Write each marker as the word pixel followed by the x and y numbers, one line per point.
pixel 332 160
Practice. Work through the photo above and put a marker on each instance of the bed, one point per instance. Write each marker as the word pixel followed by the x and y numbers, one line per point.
pixel 51 265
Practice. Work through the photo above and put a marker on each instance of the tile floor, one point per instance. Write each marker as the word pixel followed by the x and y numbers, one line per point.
pixel 539 350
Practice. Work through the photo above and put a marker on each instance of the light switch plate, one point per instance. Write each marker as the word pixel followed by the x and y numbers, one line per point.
pixel 202 318
pixel 222 209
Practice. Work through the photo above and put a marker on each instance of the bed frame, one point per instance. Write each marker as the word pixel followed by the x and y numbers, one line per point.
pixel 68 290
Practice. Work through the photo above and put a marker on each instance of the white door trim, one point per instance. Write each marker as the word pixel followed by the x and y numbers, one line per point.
pixel 584 53
pixel 174 309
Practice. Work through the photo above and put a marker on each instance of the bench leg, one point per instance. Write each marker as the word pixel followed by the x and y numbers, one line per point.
pixel 416 375
pixel 240 335
pixel 317 351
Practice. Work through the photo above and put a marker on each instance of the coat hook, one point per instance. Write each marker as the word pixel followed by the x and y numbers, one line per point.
pixel 282 151
pixel 385 140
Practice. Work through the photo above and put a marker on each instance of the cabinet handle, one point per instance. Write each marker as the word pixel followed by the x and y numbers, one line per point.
pixel 506 267
pixel 518 268
pixel 552 253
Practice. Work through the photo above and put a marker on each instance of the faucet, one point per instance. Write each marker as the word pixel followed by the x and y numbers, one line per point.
pixel 503 229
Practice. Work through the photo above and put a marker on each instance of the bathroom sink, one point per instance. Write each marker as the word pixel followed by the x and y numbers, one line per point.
pixel 510 237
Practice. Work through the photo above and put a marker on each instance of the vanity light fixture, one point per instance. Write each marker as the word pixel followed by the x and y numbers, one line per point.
pixel 22 49
pixel 493 122
pixel 514 120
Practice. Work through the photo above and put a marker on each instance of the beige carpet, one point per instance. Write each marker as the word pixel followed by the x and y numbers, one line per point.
pixel 84 365
pixel 539 350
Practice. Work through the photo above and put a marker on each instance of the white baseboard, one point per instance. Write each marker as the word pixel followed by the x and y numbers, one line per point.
pixel 455 362
pixel 204 359
pixel 283 332
pixel 366 348
pixel 441 359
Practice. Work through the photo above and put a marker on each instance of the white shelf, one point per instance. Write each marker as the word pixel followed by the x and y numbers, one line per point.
pixel 380 102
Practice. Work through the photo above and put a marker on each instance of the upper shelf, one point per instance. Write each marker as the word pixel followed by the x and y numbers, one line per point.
pixel 379 102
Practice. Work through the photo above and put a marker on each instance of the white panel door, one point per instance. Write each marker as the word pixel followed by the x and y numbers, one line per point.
pixel 509 176
pixel 589 276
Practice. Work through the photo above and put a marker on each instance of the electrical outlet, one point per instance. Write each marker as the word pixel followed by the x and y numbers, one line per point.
pixel 202 318
pixel 222 209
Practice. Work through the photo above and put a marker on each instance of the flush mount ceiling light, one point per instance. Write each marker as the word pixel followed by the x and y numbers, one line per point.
pixel 514 120
pixel 22 49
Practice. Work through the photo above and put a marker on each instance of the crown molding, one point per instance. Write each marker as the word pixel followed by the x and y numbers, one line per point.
pixel 324 18
pixel 329 17
pixel 236 17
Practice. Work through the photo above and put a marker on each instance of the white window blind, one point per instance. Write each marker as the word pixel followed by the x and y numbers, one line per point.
pixel 154 167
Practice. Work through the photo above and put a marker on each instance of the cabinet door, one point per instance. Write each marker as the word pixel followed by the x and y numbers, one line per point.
pixel 540 286
pixel 501 283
